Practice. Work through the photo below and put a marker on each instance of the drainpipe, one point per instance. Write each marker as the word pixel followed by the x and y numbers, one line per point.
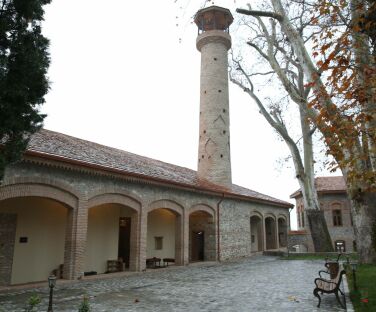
pixel 218 232
pixel 290 209
pixel 287 234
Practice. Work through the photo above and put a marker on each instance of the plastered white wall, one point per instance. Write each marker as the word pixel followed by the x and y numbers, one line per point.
pixel 43 222
pixel 161 222
pixel 102 237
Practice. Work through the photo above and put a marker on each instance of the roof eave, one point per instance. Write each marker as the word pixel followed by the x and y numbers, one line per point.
pixel 154 179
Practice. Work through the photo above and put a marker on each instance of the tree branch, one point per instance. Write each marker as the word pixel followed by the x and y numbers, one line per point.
pixel 276 16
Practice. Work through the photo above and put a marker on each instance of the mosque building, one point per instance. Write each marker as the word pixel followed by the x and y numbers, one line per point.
pixel 73 207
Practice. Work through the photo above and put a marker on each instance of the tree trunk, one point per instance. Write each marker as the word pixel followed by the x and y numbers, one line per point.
pixel 363 208
pixel 322 241
pixel 319 231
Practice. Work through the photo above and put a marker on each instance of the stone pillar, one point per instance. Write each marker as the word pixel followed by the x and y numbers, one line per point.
pixel 75 241
pixel 179 240
pixel 277 234
pixel 186 234
pixel 264 234
pixel 214 163
pixel 143 238
pixel 134 246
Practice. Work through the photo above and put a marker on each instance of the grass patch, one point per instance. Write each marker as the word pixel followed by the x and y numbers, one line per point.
pixel 364 298
pixel 323 256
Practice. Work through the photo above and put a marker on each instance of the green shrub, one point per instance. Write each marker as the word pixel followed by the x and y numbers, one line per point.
pixel 84 306
pixel 33 301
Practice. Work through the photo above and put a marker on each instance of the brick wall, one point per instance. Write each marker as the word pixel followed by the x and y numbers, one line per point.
pixel 8 223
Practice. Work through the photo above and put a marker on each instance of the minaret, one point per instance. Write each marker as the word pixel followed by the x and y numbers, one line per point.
pixel 213 41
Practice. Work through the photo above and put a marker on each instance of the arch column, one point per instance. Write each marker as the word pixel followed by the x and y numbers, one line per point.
pixel 179 240
pixel 186 237
pixel 143 238
pixel 276 234
pixel 75 240
pixel 134 263
pixel 264 233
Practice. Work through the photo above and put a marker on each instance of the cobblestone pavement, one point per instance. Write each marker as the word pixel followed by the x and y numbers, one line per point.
pixel 259 283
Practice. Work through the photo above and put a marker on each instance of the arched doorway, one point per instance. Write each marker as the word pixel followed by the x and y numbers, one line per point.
pixel 164 233
pixel 34 243
pixel 270 233
pixel 257 237
pixel 111 243
pixel 282 232
pixel 202 242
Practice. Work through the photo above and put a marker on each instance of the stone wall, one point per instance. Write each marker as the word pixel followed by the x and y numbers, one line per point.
pixel 299 238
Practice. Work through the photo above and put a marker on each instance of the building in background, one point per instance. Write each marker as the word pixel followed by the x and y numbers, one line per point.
pixel 336 206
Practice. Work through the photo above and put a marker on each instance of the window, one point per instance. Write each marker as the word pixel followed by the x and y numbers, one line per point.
pixel 158 242
pixel 340 246
pixel 337 217
pixel 303 224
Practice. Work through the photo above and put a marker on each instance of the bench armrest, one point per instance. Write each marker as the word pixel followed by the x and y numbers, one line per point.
pixel 323 271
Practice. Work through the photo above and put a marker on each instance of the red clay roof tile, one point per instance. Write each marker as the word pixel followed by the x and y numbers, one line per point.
pixel 65 147
pixel 326 185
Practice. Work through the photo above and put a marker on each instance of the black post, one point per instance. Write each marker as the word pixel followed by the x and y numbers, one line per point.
pixel 51 284
pixel 50 300
pixel 354 279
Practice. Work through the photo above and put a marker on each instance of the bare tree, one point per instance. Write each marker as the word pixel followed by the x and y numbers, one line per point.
pixel 273 48
pixel 348 129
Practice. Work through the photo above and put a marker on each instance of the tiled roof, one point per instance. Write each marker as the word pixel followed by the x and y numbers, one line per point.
pixel 50 144
pixel 326 185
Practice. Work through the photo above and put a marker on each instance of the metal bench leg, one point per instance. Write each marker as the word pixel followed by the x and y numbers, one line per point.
pixel 316 294
pixel 339 300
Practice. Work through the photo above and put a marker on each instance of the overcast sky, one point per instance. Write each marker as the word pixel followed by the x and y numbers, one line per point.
pixel 126 74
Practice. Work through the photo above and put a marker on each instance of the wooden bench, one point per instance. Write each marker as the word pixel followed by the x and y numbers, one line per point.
pixel 333 266
pixel 329 286
pixel 153 262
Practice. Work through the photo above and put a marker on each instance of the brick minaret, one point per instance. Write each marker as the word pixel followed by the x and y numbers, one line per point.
pixel 213 41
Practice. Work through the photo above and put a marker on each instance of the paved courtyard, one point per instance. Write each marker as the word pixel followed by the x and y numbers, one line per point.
pixel 259 283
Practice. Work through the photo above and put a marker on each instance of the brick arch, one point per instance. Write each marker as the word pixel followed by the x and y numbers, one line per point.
pixel 39 190
pixel 256 213
pixel 283 217
pixel 270 215
pixel 167 204
pixel 335 202
pixel 115 190
pixel 45 181
pixel 114 198
pixel 202 207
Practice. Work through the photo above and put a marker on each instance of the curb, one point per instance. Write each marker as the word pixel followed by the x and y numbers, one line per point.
pixel 349 305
